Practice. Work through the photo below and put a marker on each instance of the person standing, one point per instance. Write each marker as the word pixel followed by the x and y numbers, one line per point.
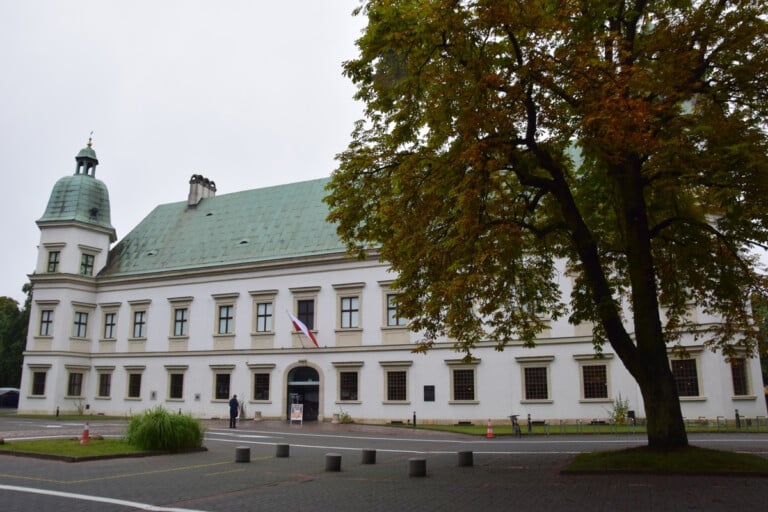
pixel 233 407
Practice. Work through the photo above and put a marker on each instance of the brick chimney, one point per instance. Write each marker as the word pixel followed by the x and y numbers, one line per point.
pixel 200 187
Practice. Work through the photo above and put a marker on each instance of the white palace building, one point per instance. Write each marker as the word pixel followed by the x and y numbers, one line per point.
pixel 194 305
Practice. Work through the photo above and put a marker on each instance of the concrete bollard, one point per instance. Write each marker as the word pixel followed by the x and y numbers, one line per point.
pixel 417 466
pixel 465 459
pixel 282 450
pixel 332 462
pixel 242 454
pixel 369 456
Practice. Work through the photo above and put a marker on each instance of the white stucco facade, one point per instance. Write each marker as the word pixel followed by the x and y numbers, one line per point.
pixel 85 350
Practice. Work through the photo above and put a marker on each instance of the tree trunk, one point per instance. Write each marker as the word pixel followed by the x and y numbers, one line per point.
pixel 666 428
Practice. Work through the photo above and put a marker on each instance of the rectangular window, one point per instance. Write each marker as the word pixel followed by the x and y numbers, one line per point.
pixel 222 386
pixel 180 321
pixel 110 321
pixel 105 384
pixel 348 385
pixel 595 381
pixel 686 377
pixel 134 385
pixel 739 376
pixel 264 317
pixel 139 324
pixel 393 318
pixel 53 261
pixel 350 309
pixel 464 384
pixel 80 327
pixel 86 264
pixel 536 386
pixel 75 384
pixel 226 319
pixel 38 383
pixel 306 312
pixel 176 389
pixel 261 386
pixel 397 385
pixel 46 322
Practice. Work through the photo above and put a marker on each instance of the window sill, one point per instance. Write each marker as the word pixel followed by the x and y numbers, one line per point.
pixel 259 401
pixel 348 329
pixel 463 402
pixel 693 399
pixel 133 398
pixel 42 338
pixel 349 402
pixel 394 327
pixel 537 401
pixel 263 333
pixel 174 399
pixel 744 397
pixel 178 338
pixel 137 340
pixel 595 401
pixel 108 340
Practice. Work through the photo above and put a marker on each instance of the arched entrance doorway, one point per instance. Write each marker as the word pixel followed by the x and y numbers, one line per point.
pixel 304 388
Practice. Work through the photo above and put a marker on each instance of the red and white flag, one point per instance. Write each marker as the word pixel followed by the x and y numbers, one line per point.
pixel 299 325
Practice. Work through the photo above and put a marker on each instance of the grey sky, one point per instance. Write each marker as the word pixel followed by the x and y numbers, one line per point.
pixel 248 93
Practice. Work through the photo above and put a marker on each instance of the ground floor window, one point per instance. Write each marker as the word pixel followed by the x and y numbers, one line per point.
pixel 536 385
pixel 739 376
pixel 176 386
pixel 594 381
pixel 397 385
pixel 348 385
pixel 38 382
pixel 261 386
pixel 686 377
pixel 75 384
pixel 134 385
pixel 105 384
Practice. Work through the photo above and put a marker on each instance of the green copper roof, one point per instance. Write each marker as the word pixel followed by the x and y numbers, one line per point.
pixel 79 198
pixel 87 152
pixel 251 226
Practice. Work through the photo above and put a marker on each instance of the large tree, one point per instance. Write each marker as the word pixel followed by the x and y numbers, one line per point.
pixel 13 336
pixel 626 138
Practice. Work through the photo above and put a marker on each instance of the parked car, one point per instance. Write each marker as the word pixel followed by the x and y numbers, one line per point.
pixel 9 397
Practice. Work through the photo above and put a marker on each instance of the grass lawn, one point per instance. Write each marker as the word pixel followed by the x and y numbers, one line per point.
pixel 691 460
pixel 71 449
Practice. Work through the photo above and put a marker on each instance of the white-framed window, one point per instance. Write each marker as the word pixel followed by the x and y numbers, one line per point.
pixel 54 260
pixel 38 381
pixel 392 313
pixel 139 319
pixel 535 375
pixel 134 377
pixel 222 381
pixel 176 381
pixel 396 381
pixel 594 377
pixel 685 371
pixel 109 320
pixel 104 381
pixel 304 304
pixel 349 303
pixel 261 380
pixel 180 307
pixel 348 381
pixel 740 377
pixel 46 323
pixel 88 259
pixel 463 380
pixel 225 313
pixel 81 313
pixel 263 311
pixel 75 380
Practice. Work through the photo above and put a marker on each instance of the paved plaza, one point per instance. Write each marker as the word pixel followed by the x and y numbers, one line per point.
pixel 507 473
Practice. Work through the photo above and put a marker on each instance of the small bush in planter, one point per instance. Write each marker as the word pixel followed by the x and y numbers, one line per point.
pixel 157 429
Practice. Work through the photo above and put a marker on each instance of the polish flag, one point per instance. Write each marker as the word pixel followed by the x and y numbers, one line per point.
pixel 299 325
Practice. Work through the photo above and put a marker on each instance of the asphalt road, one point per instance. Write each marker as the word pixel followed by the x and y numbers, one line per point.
pixel 507 473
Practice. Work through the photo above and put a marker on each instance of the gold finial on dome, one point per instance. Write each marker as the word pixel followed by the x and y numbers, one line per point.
pixel 90 140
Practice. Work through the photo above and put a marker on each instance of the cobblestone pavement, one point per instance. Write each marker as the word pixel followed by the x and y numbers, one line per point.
pixel 506 474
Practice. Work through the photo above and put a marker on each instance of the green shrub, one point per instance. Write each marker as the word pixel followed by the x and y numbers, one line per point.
pixel 157 429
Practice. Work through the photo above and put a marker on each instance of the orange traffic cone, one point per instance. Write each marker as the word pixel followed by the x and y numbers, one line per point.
pixel 489 432
pixel 86 434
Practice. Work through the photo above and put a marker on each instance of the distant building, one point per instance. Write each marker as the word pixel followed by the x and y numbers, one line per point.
pixel 195 305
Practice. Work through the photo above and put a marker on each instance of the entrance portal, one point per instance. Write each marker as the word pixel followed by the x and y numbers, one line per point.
pixel 304 388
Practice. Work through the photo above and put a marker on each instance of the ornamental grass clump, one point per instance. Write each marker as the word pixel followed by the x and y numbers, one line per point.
pixel 157 429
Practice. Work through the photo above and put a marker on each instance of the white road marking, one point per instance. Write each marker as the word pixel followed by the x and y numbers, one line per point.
pixel 99 499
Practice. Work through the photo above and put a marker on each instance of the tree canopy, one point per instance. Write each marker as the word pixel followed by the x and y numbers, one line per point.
pixel 13 336
pixel 624 138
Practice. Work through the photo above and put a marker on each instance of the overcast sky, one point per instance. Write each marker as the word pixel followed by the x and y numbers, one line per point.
pixel 248 93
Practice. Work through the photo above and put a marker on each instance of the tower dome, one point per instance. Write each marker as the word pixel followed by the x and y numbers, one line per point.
pixel 81 198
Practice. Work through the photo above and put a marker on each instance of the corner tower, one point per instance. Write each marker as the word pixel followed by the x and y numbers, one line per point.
pixel 76 230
